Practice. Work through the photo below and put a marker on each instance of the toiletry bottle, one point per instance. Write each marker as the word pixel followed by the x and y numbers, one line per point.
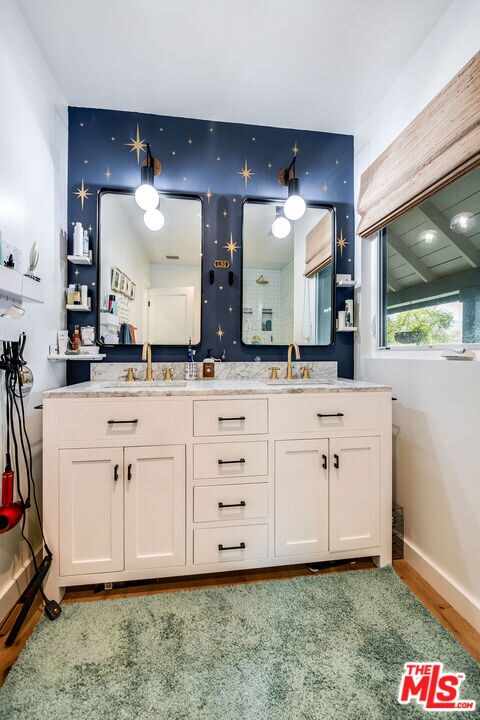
pixel 209 367
pixel 84 295
pixel 77 295
pixel 78 239
pixel 86 243
pixel 76 341
pixel 190 351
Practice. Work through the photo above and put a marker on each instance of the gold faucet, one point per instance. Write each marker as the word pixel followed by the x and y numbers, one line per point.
pixel 147 355
pixel 130 374
pixel 289 375
pixel 167 374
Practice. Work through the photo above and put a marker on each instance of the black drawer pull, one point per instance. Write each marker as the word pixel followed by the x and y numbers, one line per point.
pixel 233 547
pixel 330 414
pixel 115 473
pixel 222 419
pixel 129 472
pixel 324 463
pixel 336 461
pixel 231 462
pixel 240 504
pixel 122 422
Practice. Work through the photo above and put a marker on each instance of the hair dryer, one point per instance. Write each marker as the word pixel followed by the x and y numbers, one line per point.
pixel 10 512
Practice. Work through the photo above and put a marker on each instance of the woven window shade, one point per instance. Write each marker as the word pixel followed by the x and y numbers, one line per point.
pixel 439 146
pixel 318 250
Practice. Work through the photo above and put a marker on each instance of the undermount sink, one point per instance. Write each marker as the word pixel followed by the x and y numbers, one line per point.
pixel 299 381
pixel 143 384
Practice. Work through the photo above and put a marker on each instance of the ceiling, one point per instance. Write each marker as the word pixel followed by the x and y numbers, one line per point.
pixel 414 261
pixel 307 64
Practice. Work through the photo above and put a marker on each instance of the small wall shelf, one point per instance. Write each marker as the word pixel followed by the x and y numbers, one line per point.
pixel 81 356
pixel 81 308
pixel 347 283
pixel 349 329
pixel 21 286
pixel 80 259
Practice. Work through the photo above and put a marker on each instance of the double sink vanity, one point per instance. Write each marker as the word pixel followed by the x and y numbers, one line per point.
pixel 156 479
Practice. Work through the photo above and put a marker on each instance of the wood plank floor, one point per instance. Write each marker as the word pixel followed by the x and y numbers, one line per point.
pixel 435 603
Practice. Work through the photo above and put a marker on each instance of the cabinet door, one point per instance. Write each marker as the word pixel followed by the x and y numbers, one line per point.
pixel 91 510
pixel 154 506
pixel 354 493
pixel 301 497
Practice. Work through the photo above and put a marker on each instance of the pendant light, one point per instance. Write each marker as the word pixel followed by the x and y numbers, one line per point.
pixel 281 226
pixel 146 196
pixel 295 205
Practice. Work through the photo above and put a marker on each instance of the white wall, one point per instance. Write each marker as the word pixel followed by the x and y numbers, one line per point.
pixel 168 276
pixel 436 417
pixel 33 157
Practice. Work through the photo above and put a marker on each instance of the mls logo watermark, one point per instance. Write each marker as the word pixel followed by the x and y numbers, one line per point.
pixel 431 687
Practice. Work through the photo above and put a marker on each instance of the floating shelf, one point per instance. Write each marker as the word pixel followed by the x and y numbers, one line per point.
pixel 81 259
pixel 349 329
pixel 81 356
pixel 347 283
pixel 21 286
pixel 80 308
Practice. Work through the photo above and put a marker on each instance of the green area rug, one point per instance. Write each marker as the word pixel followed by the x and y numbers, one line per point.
pixel 327 646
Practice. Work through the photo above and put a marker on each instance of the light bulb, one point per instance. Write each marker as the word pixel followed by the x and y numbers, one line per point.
pixel 146 197
pixel 428 236
pixel 294 207
pixel 463 222
pixel 281 227
pixel 154 219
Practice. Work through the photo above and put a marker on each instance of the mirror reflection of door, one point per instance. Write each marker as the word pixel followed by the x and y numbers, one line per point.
pixel 150 281
pixel 287 282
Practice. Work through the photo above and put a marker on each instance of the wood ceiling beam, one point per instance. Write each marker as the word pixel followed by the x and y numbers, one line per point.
pixel 440 222
pixel 410 258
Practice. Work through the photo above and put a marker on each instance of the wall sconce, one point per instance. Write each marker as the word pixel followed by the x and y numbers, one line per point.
pixel 146 196
pixel 281 226
pixel 295 205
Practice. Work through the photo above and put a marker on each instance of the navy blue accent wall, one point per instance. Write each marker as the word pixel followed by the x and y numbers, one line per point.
pixel 200 156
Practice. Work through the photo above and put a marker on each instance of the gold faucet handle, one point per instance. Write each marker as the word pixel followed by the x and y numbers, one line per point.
pixel 305 372
pixel 274 373
pixel 168 374
pixel 130 374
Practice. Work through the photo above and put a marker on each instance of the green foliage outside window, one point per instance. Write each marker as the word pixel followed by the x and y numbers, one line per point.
pixel 422 326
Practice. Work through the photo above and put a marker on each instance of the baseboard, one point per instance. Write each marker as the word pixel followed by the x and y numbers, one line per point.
pixel 458 597
pixel 15 587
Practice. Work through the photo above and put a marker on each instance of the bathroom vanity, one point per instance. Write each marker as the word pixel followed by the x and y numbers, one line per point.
pixel 155 480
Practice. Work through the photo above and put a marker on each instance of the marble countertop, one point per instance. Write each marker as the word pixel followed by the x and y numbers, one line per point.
pixel 211 387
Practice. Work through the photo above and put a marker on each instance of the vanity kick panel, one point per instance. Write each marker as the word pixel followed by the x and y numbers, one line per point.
pixel 230 417
pixel 230 502
pixel 230 460
pixel 335 411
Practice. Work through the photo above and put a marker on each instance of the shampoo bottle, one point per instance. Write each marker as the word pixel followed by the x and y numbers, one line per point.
pixel 78 239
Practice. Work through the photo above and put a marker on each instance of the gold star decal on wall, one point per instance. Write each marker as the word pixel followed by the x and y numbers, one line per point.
pixel 225 213
pixel 209 194
pixel 246 173
pixel 189 141
pixel 137 145
pixel 295 149
pixel 341 243
pixel 231 247
pixel 220 332
pixel 82 193
pixel 108 174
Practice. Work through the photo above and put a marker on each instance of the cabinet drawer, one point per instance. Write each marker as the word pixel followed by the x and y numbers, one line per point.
pixel 226 460
pixel 335 411
pixel 94 419
pixel 245 542
pixel 230 417
pixel 230 502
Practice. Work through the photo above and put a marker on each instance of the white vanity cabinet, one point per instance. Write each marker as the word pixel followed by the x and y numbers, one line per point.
pixel 159 484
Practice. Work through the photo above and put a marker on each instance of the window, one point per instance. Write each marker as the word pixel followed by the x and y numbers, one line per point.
pixel 430 270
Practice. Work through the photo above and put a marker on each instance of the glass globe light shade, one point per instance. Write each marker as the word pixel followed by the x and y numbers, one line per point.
pixel 281 227
pixel 463 222
pixel 294 207
pixel 146 197
pixel 428 236
pixel 154 219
